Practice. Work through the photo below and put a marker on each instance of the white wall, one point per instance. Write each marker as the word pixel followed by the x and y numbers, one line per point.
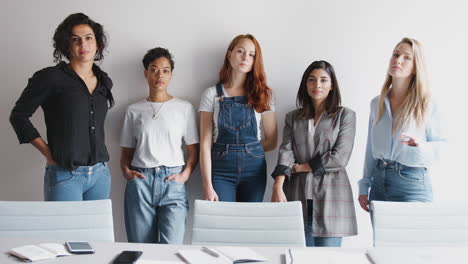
pixel 357 37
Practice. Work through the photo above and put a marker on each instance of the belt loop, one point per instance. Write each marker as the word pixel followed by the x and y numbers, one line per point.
pixel 226 147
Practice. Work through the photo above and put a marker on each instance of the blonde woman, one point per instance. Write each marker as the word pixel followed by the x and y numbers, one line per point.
pixel 404 134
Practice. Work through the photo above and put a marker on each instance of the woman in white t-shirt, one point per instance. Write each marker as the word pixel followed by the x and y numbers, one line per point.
pixel 152 159
pixel 231 114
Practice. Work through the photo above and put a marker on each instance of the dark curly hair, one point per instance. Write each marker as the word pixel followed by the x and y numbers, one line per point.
pixel 63 34
pixel 157 53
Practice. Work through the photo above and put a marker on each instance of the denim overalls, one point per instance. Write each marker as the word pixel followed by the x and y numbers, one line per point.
pixel 237 157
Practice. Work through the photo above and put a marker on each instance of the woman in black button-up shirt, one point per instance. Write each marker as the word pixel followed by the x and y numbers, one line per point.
pixel 75 98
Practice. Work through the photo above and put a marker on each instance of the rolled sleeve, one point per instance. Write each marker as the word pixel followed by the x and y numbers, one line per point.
pixel 317 166
pixel 35 93
pixel 285 155
pixel 281 170
pixel 191 131
pixel 127 138
pixel 207 101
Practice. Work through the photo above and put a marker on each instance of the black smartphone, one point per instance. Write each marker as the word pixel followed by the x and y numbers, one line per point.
pixel 127 257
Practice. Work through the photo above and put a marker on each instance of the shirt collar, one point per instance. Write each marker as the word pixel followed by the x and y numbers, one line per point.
pixel 100 74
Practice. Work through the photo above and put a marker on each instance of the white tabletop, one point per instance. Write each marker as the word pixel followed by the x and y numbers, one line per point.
pixel 106 252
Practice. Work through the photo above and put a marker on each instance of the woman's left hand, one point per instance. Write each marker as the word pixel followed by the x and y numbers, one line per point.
pixel 409 140
pixel 364 202
pixel 179 177
pixel 303 167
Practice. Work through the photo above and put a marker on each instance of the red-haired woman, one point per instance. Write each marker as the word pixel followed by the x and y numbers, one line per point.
pixel 232 113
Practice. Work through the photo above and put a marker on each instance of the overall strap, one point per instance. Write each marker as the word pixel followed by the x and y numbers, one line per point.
pixel 219 90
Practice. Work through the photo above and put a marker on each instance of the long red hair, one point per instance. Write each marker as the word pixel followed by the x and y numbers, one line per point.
pixel 258 93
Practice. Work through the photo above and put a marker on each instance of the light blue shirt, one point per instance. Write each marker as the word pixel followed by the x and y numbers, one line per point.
pixel 382 144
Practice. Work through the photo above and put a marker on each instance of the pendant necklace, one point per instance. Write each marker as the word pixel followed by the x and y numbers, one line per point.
pixel 156 113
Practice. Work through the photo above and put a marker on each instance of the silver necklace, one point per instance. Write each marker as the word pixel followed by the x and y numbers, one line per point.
pixel 156 113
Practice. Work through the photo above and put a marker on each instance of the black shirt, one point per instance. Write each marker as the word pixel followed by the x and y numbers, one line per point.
pixel 74 118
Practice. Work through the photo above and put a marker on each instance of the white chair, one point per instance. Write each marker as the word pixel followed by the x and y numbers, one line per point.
pixel 419 224
pixel 248 224
pixel 86 220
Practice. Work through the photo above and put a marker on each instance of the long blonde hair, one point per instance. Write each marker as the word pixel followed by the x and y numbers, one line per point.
pixel 416 102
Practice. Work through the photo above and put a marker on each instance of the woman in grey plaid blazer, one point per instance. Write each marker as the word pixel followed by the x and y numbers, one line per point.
pixel 318 139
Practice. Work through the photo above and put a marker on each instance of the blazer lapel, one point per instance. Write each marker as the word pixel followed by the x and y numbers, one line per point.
pixel 301 139
pixel 322 127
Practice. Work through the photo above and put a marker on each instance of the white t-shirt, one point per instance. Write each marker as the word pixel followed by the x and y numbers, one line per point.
pixel 210 103
pixel 159 142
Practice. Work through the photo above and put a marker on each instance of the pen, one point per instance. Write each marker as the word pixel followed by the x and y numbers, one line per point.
pixel 210 252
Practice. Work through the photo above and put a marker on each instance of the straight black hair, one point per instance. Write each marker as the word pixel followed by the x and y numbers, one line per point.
pixel 303 100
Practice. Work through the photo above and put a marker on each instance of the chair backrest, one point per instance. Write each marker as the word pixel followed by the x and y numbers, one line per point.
pixel 419 224
pixel 248 224
pixel 84 220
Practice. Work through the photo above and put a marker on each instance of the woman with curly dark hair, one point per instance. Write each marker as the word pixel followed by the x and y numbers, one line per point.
pixel 232 113
pixel 75 98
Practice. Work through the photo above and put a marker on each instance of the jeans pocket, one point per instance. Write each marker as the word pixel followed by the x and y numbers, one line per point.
pixel 412 174
pixel 235 116
pixel 174 182
pixel 133 179
pixel 218 155
pixel 56 177
pixel 176 190
pixel 256 152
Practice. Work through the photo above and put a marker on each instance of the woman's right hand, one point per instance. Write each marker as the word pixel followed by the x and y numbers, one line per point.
pixel 44 149
pixel 278 195
pixel 364 202
pixel 132 174
pixel 210 194
pixel 51 161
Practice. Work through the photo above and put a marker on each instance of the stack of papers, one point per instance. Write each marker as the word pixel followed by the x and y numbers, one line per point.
pixel 307 256
pixel 421 255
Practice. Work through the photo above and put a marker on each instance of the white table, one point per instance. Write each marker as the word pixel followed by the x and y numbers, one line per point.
pixel 106 252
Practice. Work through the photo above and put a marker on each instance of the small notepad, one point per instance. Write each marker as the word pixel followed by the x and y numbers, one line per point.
pixel 40 252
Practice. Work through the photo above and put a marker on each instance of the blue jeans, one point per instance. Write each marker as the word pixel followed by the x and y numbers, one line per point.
pixel 84 183
pixel 312 241
pixel 392 181
pixel 239 172
pixel 155 210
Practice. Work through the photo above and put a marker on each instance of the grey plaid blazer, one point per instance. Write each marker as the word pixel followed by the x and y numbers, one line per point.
pixel 327 148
